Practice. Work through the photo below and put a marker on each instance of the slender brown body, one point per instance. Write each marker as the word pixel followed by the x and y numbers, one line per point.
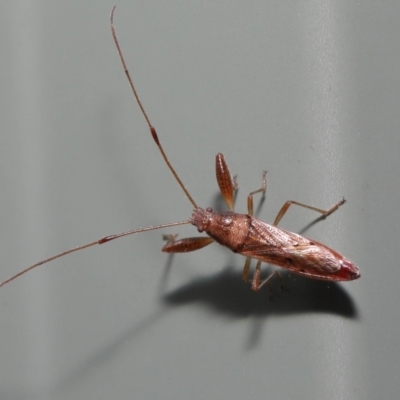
pixel 251 237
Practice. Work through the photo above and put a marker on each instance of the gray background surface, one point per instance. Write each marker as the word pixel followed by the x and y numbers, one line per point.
pixel 309 90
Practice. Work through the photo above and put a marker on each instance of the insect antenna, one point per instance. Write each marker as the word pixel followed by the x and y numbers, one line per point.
pixel 103 240
pixel 152 129
pixel 153 132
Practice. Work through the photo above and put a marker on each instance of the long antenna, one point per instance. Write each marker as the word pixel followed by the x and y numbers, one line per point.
pixel 153 132
pixel 103 240
pixel 152 129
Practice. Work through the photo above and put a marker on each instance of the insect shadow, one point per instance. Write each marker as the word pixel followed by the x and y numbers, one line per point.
pixel 226 292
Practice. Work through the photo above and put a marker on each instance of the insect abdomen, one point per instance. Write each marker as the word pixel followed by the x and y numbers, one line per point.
pixel 296 253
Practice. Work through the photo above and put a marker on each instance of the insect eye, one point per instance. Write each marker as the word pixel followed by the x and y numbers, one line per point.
pixel 209 209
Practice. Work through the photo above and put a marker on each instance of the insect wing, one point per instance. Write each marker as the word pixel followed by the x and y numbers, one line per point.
pixel 296 253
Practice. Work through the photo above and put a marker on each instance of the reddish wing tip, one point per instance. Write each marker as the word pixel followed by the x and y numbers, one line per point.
pixel 349 271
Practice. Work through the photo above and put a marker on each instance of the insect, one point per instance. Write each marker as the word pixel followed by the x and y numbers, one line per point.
pixel 241 233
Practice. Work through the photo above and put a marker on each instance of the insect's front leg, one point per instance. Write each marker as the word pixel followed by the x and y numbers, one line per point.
pixel 226 184
pixel 185 245
pixel 325 213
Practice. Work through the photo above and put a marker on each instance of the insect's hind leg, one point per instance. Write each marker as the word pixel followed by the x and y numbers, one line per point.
pixel 246 269
pixel 256 284
pixel 250 208
pixel 325 213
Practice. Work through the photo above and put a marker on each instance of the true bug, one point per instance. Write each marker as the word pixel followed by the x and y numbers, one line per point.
pixel 242 233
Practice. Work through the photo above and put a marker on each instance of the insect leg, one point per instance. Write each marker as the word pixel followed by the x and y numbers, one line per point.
pixel 170 238
pixel 250 211
pixel 246 269
pixel 261 190
pixel 185 245
pixel 257 285
pixel 325 213
pixel 265 281
pixel 226 184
